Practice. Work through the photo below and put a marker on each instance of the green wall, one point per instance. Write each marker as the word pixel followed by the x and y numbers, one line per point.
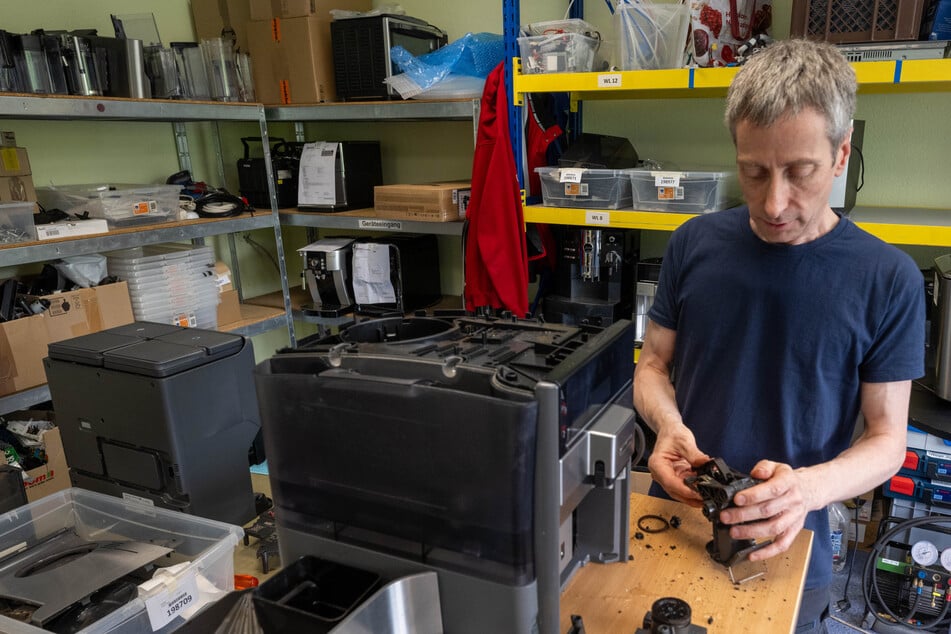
pixel 905 139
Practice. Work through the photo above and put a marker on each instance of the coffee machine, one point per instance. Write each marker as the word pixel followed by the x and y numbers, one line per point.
pixel 648 272
pixel 594 276
pixel 327 265
pixel 939 349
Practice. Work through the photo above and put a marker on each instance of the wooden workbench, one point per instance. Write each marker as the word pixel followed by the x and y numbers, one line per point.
pixel 614 598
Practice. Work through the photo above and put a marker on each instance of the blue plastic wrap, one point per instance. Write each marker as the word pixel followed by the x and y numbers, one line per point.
pixel 473 55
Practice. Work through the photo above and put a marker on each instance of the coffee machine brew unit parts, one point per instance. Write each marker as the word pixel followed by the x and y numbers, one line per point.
pixel 326 274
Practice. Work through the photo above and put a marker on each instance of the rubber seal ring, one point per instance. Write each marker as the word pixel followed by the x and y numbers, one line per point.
pixel 653 518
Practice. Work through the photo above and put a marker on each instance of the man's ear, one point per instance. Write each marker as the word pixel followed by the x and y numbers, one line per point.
pixel 842 154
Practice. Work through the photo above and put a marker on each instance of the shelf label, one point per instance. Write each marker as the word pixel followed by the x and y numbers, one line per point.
pixel 571 174
pixel 172 601
pixel 386 225
pixel 609 80
pixel 597 218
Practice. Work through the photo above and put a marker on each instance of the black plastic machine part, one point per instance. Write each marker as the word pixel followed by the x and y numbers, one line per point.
pixel 717 483
pixel 670 616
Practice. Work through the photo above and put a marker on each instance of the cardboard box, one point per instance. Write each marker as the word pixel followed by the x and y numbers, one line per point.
pixel 54 475
pixel 229 310
pixel 223 278
pixel 291 58
pixel 17 189
pixel 23 342
pixel 641 482
pixel 430 202
pixel 8 138
pixel 214 17
pixel 14 162
pixel 267 9
pixel 865 506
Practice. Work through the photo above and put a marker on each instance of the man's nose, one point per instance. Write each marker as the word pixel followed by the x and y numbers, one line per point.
pixel 777 196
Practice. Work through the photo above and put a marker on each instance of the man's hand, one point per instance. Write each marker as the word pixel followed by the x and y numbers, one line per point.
pixel 774 508
pixel 673 458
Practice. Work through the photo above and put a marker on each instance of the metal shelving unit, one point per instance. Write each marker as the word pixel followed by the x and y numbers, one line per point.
pixel 255 319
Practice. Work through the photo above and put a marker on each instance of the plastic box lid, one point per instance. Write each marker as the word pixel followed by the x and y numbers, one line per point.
pixel 205 545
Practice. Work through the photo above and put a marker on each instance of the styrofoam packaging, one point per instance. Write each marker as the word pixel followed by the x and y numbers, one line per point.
pixel 651 36
pixel 16 223
pixel 585 188
pixel 118 204
pixel 558 53
pixel 684 192
pixel 206 545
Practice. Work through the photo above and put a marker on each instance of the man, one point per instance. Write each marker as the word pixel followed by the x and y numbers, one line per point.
pixel 776 324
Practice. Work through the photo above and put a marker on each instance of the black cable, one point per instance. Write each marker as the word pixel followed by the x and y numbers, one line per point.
pixel 869 579
pixel 844 604
pixel 221 204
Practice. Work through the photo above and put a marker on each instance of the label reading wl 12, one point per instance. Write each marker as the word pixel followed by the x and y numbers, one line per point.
pixel 597 218
pixel 609 80
pixel 172 602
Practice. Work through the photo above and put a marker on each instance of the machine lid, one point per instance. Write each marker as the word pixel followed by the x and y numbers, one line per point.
pixel 214 343
pixel 88 349
pixel 942 265
pixel 145 329
pixel 153 357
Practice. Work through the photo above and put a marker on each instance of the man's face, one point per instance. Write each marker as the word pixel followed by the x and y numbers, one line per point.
pixel 786 172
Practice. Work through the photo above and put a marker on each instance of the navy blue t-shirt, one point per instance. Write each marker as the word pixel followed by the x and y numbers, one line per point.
pixel 773 341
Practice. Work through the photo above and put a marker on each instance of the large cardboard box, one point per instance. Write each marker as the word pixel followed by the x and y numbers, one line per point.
pixel 291 58
pixel 23 342
pixel 429 202
pixel 229 310
pixel 267 9
pixel 215 17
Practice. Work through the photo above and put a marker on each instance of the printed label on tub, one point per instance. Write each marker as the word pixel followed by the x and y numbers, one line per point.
pixel 576 189
pixel 666 179
pixel 570 175
pixel 144 207
pixel 670 193
pixel 172 601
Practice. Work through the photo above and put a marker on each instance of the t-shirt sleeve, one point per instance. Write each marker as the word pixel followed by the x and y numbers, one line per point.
pixel 898 353
pixel 665 310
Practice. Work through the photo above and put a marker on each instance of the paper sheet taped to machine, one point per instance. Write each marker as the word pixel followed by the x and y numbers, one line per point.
pixel 317 181
pixel 371 274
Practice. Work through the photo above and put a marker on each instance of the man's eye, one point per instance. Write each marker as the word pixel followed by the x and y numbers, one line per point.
pixel 753 173
pixel 801 172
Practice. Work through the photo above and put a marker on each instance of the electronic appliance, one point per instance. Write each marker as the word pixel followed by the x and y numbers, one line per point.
pixel 160 414
pixel 120 64
pixel 361 52
pixel 32 55
pixel 846 184
pixel 939 350
pixel 648 273
pixel 395 274
pixel 593 276
pixel 338 175
pixel 326 273
pixel 885 51
pixel 252 173
pixel 9 79
pixel 79 64
pixel 492 451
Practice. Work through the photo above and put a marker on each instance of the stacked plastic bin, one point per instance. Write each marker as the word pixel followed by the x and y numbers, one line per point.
pixel 169 283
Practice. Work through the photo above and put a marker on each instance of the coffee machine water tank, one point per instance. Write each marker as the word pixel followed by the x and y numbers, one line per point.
pixel 941 327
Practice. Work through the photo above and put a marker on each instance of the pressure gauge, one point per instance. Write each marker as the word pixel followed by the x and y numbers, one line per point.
pixel 946 559
pixel 925 553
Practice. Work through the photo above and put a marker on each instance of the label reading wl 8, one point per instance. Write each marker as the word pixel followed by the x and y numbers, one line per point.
pixel 144 207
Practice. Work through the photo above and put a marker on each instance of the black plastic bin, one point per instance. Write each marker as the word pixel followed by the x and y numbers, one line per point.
pixel 312 595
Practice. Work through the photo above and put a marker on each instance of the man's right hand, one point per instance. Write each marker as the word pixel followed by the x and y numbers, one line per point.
pixel 673 458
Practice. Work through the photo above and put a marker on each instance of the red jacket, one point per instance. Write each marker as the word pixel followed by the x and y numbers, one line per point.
pixel 496 267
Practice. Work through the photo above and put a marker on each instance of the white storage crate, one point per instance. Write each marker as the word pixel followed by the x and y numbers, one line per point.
pixel 694 192
pixel 585 188
pixel 205 547
pixel 120 205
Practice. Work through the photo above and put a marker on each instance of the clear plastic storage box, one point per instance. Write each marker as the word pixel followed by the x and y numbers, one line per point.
pixel 585 188
pixel 685 192
pixel 120 205
pixel 107 529
pixel 558 53
pixel 16 223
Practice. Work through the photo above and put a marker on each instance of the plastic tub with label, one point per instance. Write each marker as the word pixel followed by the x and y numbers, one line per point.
pixel 694 192
pixel 585 188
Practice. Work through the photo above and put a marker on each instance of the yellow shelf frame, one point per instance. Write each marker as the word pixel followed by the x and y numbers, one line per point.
pixel 927 227
pixel 688 83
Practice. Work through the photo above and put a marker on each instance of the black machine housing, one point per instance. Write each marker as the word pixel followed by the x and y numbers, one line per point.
pixel 252 173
